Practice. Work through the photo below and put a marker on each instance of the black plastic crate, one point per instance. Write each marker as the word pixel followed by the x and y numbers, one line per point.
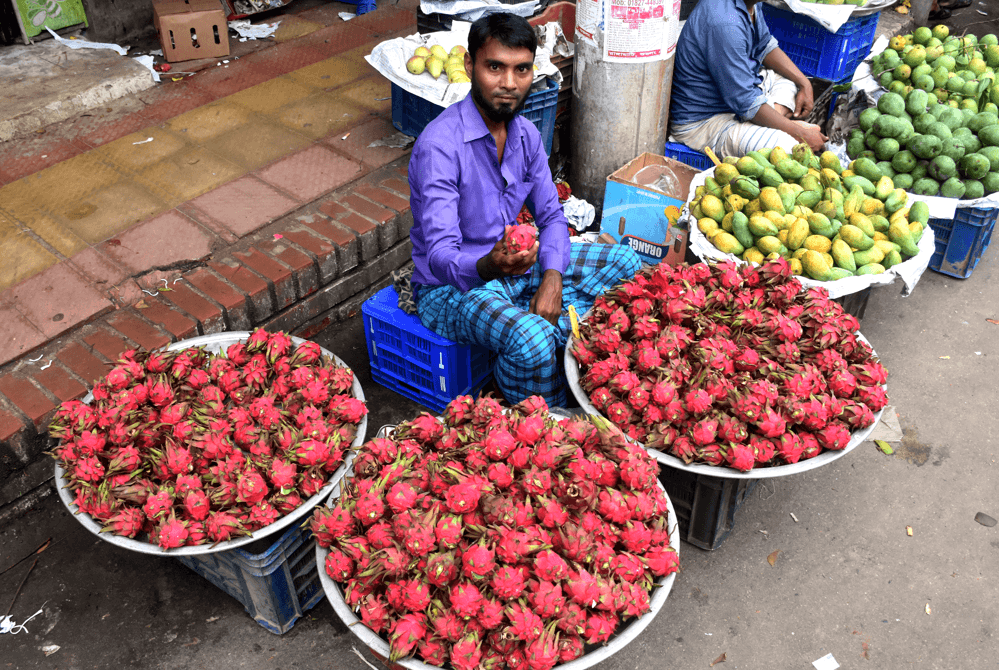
pixel 705 505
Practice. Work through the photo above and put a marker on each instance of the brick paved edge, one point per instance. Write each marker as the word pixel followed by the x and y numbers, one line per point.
pixel 301 273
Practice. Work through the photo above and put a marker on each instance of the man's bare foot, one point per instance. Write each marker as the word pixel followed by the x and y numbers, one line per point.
pixel 783 111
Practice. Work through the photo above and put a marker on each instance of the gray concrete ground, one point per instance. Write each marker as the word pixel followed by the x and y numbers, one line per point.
pixel 848 579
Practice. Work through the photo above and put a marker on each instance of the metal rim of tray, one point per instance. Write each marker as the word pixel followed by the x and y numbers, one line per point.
pixel 871 7
pixel 619 641
pixel 215 344
pixel 827 456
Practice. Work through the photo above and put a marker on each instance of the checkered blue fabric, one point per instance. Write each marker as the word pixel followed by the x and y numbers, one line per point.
pixel 529 349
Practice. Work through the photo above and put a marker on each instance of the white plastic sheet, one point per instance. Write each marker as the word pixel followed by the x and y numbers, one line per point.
pixel 470 10
pixel 830 17
pixel 84 44
pixel 908 271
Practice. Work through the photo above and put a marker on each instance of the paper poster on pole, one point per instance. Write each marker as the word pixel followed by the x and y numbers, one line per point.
pixel 629 31
pixel 589 20
pixel 635 30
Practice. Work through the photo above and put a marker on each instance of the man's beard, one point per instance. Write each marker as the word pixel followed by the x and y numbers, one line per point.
pixel 501 114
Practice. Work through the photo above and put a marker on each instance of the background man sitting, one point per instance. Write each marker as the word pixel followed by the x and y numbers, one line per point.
pixel 722 99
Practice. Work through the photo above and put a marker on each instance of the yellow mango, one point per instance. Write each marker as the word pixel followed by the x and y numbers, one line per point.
pixel 819 243
pixel 753 255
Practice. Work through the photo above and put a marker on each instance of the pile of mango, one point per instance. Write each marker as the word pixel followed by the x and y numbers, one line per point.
pixel 936 130
pixel 829 222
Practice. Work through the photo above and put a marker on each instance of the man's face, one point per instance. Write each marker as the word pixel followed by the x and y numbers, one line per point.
pixel 501 79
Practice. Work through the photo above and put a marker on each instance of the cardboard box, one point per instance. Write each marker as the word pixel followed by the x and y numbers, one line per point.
pixel 190 29
pixel 643 217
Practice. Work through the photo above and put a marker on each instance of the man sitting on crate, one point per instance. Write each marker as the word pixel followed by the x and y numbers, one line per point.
pixel 722 99
pixel 471 171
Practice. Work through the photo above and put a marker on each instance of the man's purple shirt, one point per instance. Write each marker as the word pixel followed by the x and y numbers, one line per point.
pixel 462 198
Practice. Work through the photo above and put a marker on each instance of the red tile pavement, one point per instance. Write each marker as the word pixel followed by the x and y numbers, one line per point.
pixel 357 224
pixel 167 101
pixel 310 173
pixel 289 57
pixel 103 272
pixel 58 299
pixel 166 239
pixel 389 20
pixel 397 185
pixel 249 283
pixel 27 397
pixel 244 205
pixel 111 121
pixel 224 80
pixel 10 425
pixel 79 359
pixel 356 144
pixel 128 323
pixel 368 208
pixel 330 231
pixel 107 343
pixel 185 298
pixel 31 154
pixel 158 312
pixel 19 335
pixel 60 383
pixel 231 300
pixel 383 197
pixel 274 272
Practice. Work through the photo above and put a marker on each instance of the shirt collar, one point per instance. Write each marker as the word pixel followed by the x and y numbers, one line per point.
pixel 475 127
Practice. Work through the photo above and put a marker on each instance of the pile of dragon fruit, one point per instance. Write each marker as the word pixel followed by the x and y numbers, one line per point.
pixel 498 540
pixel 186 447
pixel 729 365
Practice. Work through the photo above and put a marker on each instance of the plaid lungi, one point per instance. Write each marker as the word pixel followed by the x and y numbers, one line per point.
pixel 495 315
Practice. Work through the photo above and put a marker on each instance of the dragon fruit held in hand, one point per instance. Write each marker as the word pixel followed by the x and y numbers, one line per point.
pixel 186 447
pixel 520 238
pixel 729 365
pixel 498 540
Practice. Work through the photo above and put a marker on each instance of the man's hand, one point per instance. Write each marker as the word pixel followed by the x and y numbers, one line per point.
pixel 812 135
pixel 547 302
pixel 498 263
pixel 803 101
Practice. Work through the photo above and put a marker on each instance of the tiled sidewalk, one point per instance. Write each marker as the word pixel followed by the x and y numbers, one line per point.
pixel 258 201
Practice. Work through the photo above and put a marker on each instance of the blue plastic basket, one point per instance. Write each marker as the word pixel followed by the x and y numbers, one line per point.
pixel 687 156
pixel 276 587
pixel 411 113
pixel 816 51
pixel 417 362
pixel 961 241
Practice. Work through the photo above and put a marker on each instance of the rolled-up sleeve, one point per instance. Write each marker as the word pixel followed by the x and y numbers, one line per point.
pixel 734 71
pixel 435 197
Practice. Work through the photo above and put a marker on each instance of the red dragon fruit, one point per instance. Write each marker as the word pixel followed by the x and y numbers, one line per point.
pixel 501 541
pixel 744 343
pixel 519 238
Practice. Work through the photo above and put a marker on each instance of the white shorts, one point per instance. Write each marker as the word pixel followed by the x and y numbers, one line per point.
pixel 728 137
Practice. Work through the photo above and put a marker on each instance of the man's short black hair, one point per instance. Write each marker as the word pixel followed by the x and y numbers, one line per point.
pixel 508 29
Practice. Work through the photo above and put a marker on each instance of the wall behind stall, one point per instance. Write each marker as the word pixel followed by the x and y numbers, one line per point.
pixel 118 21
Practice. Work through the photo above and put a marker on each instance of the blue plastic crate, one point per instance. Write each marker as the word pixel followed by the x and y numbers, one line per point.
pixel 411 113
pixel 276 586
pixel 687 156
pixel 417 362
pixel 816 51
pixel 961 241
